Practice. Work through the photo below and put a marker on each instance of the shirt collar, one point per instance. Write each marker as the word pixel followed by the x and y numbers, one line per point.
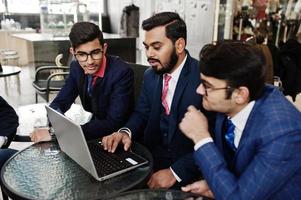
pixel 240 119
pixel 176 74
pixel 101 71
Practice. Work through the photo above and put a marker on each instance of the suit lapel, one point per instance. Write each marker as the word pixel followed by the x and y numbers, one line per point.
pixel 181 85
pixel 156 106
pixel 219 131
pixel 248 130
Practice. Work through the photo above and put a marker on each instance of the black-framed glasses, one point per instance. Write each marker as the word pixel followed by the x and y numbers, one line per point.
pixel 96 54
pixel 209 88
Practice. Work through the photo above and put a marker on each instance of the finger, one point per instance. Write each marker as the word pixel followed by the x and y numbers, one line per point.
pixel 104 143
pixel 109 143
pixel 149 183
pixel 191 108
pixel 126 142
pixel 187 188
pixel 115 143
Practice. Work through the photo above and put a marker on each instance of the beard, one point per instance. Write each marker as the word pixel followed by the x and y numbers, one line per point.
pixel 173 59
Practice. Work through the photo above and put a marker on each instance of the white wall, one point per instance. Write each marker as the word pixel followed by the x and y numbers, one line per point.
pixel 198 15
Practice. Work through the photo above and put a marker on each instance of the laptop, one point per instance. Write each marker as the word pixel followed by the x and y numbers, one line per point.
pixel 91 156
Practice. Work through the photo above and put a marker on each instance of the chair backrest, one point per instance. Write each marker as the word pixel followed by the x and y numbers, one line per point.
pixel 138 75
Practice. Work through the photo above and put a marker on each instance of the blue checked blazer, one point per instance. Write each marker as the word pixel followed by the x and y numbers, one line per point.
pixel 267 163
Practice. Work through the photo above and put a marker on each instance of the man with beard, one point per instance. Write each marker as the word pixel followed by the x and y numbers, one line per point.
pixel 168 89
pixel 104 83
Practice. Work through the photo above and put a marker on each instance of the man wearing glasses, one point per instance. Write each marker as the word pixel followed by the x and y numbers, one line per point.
pixel 104 83
pixel 256 151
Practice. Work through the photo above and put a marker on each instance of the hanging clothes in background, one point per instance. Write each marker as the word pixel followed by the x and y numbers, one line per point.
pixel 129 24
pixel 260 6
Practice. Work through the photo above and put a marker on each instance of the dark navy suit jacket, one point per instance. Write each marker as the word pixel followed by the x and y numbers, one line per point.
pixel 112 98
pixel 267 163
pixel 145 120
pixel 8 121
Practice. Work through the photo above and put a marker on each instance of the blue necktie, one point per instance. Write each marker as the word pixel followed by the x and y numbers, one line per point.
pixel 89 87
pixel 229 136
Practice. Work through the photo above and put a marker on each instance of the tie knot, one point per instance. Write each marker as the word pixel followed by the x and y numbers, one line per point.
pixel 167 77
pixel 229 124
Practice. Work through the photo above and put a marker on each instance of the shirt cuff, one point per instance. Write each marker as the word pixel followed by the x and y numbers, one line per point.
pixel 126 130
pixel 3 140
pixel 176 176
pixel 202 142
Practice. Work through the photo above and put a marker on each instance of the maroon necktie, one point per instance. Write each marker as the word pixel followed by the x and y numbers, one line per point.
pixel 167 78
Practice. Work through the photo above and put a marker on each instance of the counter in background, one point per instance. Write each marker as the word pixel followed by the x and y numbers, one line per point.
pixel 41 49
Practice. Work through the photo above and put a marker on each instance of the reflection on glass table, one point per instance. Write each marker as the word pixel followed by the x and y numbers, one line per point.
pixel 43 171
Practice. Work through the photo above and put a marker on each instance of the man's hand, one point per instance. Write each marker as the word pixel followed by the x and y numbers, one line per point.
pixel 194 125
pixel 111 142
pixel 40 135
pixel 200 187
pixel 162 179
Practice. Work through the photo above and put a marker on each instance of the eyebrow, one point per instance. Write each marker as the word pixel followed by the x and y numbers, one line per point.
pixel 206 82
pixel 90 51
pixel 152 44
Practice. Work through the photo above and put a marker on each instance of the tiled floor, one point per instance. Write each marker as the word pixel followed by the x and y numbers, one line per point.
pixel 18 95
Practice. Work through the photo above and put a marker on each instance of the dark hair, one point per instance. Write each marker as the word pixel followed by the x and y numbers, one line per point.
pixel 83 32
pixel 237 63
pixel 175 27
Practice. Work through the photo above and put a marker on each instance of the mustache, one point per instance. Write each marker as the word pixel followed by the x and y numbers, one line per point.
pixel 153 60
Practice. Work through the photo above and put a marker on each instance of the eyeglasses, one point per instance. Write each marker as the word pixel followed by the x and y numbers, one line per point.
pixel 208 88
pixel 96 54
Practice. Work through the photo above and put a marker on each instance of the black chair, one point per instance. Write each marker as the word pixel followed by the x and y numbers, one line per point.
pixel 49 79
pixel 138 76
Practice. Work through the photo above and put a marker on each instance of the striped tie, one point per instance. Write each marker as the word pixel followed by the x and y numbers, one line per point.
pixel 229 136
pixel 167 78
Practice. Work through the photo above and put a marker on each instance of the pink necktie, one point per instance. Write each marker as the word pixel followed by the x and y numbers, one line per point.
pixel 167 77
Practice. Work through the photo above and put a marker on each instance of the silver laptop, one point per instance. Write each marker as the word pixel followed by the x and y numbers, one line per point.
pixel 91 156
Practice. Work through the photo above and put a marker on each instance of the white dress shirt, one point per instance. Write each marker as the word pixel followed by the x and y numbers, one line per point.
pixel 173 83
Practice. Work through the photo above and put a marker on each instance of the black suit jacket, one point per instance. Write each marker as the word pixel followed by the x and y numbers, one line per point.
pixel 145 120
pixel 8 121
pixel 112 99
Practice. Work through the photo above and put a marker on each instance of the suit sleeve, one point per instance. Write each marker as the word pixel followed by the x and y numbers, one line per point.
pixel 186 169
pixel 138 120
pixel 264 175
pixel 8 120
pixel 119 107
pixel 63 101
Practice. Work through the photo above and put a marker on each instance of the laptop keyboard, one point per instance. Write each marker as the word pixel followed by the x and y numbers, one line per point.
pixel 106 162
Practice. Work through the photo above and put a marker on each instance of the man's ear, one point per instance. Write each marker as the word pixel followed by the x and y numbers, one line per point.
pixel 105 46
pixel 242 95
pixel 71 50
pixel 180 45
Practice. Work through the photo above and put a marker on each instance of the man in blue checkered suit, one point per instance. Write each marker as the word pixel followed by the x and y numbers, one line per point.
pixel 263 159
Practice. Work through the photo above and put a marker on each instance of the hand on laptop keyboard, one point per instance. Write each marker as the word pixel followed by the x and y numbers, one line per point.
pixel 111 142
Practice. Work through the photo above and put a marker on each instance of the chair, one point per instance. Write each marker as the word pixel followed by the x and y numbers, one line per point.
pixel 53 82
pixel 10 57
pixel 138 76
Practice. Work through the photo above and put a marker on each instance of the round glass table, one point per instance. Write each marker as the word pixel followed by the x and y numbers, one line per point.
pixel 43 171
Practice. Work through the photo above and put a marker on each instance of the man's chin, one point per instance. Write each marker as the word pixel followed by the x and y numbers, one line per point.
pixel 90 72
pixel 205 105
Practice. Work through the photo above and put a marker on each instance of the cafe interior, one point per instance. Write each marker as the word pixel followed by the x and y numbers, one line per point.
pixel 35 59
